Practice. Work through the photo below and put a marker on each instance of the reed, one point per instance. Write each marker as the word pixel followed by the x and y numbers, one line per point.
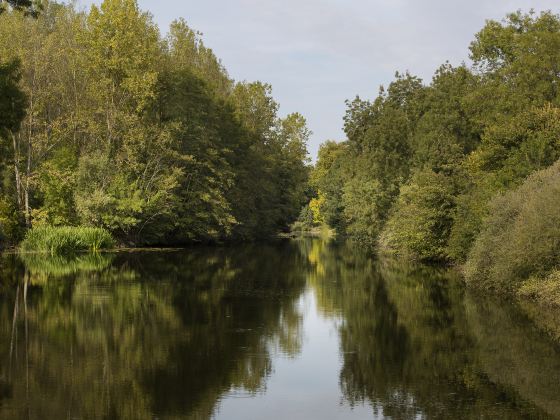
pixel 63 240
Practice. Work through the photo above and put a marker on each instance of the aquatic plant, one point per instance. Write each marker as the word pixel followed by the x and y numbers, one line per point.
pixel 66 239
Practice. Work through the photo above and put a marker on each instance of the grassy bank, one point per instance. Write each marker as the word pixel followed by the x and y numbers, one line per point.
pixel 518 249
pixel 66 239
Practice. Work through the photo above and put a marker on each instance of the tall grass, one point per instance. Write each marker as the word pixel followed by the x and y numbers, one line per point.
pixel 66 239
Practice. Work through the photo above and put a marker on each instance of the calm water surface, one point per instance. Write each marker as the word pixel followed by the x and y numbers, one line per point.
pixel 294 330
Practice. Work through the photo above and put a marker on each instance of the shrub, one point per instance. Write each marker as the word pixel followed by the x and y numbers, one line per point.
pixel 544 289
pixel 67 239
pixel 421 219
pixel 520 239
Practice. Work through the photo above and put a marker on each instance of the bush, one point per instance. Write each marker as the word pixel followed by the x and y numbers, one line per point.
pixel 520 239
pixel 421 219
pixel 64 240
pixel 546 290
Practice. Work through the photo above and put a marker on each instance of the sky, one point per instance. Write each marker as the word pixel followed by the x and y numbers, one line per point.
pixel 318 53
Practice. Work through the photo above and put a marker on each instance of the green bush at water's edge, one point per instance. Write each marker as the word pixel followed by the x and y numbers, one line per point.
pixel 66 239
pixel 518 250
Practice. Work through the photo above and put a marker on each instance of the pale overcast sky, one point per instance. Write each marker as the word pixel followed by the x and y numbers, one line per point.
pixel 318 53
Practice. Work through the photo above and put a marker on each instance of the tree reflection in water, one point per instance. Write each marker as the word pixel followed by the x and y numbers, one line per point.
pixel 408 346
pixel 149 334
pixel 170 334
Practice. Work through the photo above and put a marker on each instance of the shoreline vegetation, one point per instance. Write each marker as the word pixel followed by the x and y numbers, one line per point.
pixel 462 171
pixel 112 133
pixel 106 123
pixel 64 240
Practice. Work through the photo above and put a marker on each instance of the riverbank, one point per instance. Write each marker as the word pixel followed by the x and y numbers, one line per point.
pixel 540 296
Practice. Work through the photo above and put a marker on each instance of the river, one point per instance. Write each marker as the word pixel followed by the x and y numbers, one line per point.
pixel 295 329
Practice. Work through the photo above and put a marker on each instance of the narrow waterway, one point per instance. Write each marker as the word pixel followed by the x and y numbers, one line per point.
pixel 302 329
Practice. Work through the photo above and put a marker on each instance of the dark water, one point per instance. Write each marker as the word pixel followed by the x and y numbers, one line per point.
pixel 295 330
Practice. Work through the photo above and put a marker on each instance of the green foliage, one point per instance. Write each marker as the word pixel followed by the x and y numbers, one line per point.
pixel 66 239
pixel 421 163
pixel 508 153
pixel 29 7
pixel 520 239
pixel 518 59
pixel 519 146
pixel 328 177
pixel 11 231
pixel 12 100
pixel 305 221
pixel 272 174
pixel 445 131
pixel 359 180
pixel 365 205
pixel 545 290
pixel 147 137
pixel 422 217
pixel 471 209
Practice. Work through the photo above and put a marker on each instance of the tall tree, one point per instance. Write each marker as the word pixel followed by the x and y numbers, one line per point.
pixel 30 7
pixel 12 112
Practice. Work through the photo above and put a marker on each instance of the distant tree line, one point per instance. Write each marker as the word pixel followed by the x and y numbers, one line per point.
pixel 104 122
pixel 436 171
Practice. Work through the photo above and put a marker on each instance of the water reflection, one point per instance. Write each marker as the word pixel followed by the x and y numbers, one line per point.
pixel 180 334
pixel 411 342
pixel 161 334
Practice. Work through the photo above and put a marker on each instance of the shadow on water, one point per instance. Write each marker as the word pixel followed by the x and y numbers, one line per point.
pixel 171 334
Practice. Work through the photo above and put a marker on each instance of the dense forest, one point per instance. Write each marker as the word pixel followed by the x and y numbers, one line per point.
pixel 106 123
pixel 459 170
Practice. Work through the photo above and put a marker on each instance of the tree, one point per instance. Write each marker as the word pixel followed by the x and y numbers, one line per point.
pixel 519 238
pixel 146 137
pixel 328 177
pixel 422 217
pixel 429 159
pixel 12 100
pixel 379 147
pixel 12 112
pixel 508 153
pixel 518 61
pixel 30 7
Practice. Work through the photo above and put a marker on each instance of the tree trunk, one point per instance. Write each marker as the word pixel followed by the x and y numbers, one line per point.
pixel 16 171
pixel 27 177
